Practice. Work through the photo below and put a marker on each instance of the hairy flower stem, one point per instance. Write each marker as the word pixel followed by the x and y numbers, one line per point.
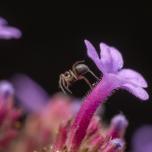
pixel 92 101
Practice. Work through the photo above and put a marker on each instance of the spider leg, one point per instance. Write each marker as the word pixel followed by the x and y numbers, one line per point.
pixel 66 85
pixel 61 80
pixel 86 80
pixel 93 74
pixel 67 88
pixel 73 74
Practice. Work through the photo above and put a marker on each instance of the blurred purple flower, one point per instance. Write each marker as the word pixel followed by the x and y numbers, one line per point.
pixel 3 21
pixel 115 145
pixel 30 94
pixel 8 32
pixel 41 128
pixel 6 90
pixel 9 115
pixel 118 126
pixel 142 139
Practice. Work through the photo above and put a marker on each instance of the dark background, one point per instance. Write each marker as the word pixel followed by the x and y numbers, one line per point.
pixel 52 41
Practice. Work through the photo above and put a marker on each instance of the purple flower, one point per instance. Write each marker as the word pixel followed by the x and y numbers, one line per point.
pixel 118 126
pixel 111 62
pixel 142 139
pixel 9 115
pixel 6 90
pixel 3 21
pixel 8 32
pixel 32 102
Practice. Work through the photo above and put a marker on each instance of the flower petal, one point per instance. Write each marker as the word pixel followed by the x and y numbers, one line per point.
pixel 9 32
pixel 131 76
pixel 30 95
pixel 137 91
pixel 106 57
pixel 3 21
pixel 92 53
pixel 117 59
pixel 111 58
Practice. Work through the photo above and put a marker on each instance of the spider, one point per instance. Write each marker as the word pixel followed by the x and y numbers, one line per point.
pixel 79 69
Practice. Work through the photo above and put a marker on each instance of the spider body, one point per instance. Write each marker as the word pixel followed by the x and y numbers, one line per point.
pixel 79 69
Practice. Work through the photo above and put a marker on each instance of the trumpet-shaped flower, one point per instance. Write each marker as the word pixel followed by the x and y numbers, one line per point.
pixel 110 63
pixel 85 132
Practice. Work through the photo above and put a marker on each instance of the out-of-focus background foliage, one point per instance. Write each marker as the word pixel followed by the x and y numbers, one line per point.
pixel 52 41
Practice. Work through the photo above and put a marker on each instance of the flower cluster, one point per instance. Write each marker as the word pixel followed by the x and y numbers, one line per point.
pixel 41 128
pixel 37 129
pixel 84 132
pixel 110 63
pixel 60 123
pixel 9 115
